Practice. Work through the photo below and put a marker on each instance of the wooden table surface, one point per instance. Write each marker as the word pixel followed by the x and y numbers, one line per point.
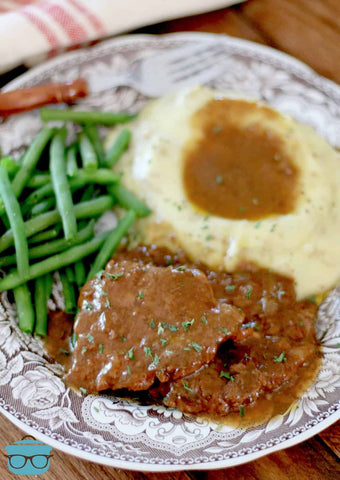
pixel 310 31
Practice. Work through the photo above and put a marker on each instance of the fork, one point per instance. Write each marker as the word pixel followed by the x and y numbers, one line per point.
pixel 152 76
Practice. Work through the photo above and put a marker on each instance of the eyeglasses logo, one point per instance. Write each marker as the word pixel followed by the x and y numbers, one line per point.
pixel 28 456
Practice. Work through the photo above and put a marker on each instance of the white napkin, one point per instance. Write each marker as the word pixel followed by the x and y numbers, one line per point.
pixel 32 30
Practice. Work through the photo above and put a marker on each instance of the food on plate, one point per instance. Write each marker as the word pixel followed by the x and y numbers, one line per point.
pixel 199 340
pixel 233 216
pixel 231 180
pixel 50 199
pixel 140 322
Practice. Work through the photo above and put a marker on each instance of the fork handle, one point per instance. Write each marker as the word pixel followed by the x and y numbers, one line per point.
pixel 28 98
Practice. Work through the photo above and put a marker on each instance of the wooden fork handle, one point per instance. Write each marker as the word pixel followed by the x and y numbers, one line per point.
pixel 28 98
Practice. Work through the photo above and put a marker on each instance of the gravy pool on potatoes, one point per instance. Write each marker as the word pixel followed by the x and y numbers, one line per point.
pixel 231 180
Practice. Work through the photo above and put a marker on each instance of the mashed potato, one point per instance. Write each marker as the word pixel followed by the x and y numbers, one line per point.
pixel 298 236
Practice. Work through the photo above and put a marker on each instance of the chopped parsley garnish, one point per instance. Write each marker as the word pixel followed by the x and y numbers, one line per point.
pixel 301 323
pixel 65 352
pixel 249 292
pixel 280 358
pixel 219 179
pixel 273 227
pixel 208 215
pixel 99 274
pixel 107 303
pixel 169 352
pixel 115 276
pixel 74 338
pixel 172 328
pixel 186 386
pixel 205 227
pixel 155 360
pixel 256 327
pixel 208 237
pixel 242 209
pixel 96 409
pixel 224 330
pixel 257 224
pixel 83 390
pixel 90 337
pixel 227 375
pixel 230 287
pixel 129 370
pixel 241 410
pixel 83 350
pixel 123 337
pixel 148 352
pixel 152 323
pixel 102 293
pixel 196 347
pixel 311 298
pixel 181 268
pixel 168 262
pixel 280 294
pixel 204 320
pixel 88 306
pixel 140 296
pixel 187 324
pixel 130 354
pixel 246 356
pixel 100 348
pixel 163 341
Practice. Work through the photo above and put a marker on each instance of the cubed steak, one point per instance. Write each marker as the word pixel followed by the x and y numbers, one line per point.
pixel 139 322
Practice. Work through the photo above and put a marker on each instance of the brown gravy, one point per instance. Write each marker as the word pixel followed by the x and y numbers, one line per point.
pixel 238 170
pixel 275 323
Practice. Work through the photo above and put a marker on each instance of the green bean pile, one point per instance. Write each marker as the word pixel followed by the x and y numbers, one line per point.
pixel 49 202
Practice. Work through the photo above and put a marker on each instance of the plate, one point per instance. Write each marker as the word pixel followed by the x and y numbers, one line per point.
pixel 113 431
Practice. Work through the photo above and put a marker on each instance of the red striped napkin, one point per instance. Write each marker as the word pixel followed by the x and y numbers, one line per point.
pixel 33 30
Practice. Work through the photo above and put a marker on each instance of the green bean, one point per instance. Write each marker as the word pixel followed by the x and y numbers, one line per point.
pixel 111 243
pixel 87 153
pixel 38 180
pixel 102 176
pixel 37 224
pixel 10 165
pixel 93 134
pixel 119 146
pixel 16 221
pixel 45 235
pixel 43 206
pixel 42 292
pixel 128 201
pixel 69 274
pixel 25 311
pixel 61 187
pixel 29 161
pixel 87 193
pixel 68 292
pixel 50 264
pixel 84 117
pixel 80 274
pixel 51 248
pixel 71 160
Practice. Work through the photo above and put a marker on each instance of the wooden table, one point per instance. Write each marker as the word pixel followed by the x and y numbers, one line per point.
pixel 310 31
